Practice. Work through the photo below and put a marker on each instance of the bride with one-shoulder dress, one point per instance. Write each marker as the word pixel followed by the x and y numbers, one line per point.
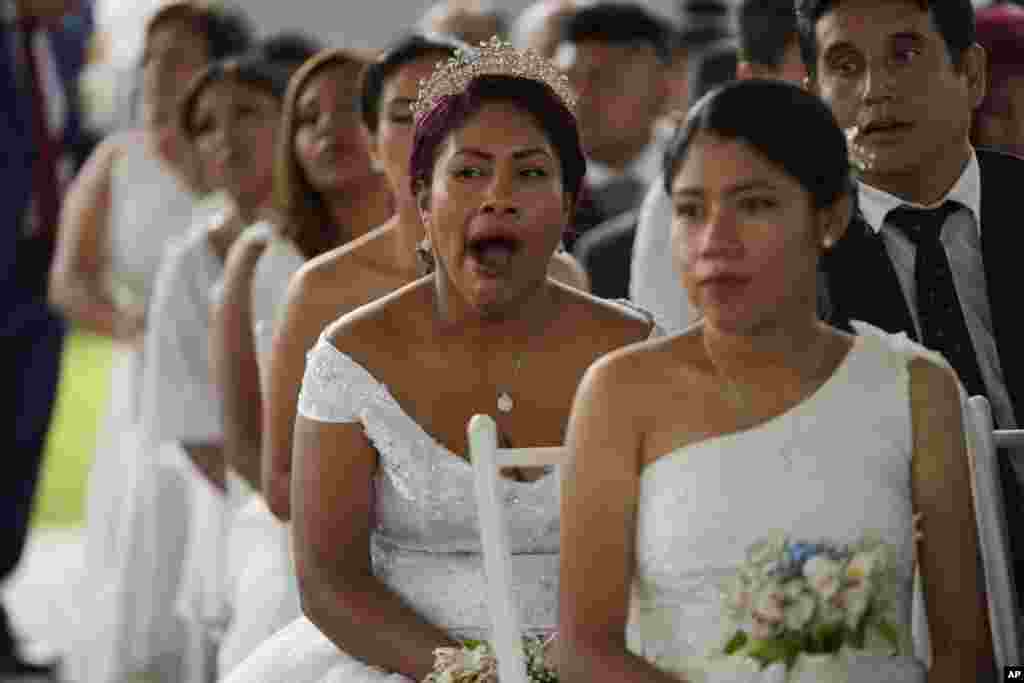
pixel 836 466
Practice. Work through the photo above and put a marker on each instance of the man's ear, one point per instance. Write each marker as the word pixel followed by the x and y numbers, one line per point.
pixel 974 66
pixel 836 220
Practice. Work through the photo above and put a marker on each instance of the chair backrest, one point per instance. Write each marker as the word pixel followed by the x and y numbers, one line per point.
pixel 488 459
pixel 992 529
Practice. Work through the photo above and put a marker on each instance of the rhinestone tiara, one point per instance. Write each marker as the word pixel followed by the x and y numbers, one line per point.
pixel 493 57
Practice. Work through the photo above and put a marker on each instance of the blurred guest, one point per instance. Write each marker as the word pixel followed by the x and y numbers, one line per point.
pixel 539 26
pixel 467 20
pixel 327 193
pixel 767 39
pixel 42 53
pixel 999 121
pixel 700 23
pixel 231 115
pixel 769 43
pixel 138 191
pixel 615 56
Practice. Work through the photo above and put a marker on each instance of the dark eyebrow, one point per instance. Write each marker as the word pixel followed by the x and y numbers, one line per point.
pixel 518 154
pixel 734 190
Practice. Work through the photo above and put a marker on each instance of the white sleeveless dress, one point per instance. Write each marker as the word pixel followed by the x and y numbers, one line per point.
pixel 259 560
pixel 426 543
pixel 835 466
pixel 120 591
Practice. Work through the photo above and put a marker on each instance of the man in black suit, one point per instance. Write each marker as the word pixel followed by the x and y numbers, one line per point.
pixel 903 78
pixel 40 129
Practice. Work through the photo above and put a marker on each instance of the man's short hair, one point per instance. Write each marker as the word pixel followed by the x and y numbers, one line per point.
pixel 954 20
pixel 619 23
pixel 766 28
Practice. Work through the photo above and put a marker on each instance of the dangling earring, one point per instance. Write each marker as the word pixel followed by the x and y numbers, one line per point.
pixel 425 252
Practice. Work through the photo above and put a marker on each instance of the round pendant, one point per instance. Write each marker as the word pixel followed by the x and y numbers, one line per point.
pixel 505 404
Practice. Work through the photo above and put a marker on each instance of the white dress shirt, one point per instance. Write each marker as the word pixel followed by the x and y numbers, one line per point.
pixel 961 238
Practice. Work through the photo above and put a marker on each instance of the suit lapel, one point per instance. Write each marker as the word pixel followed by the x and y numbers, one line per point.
pixel 1001 244
pixel 861 283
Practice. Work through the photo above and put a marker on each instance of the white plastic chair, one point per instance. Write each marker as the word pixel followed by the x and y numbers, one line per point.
pixel 992 529
pixel 488 459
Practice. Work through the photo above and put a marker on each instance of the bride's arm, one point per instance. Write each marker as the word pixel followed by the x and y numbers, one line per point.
pixel 948 550
pixel 598 527
pixel 332 503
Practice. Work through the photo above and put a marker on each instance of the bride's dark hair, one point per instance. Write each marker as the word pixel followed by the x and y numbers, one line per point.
pixel 787 125
pixel 533 97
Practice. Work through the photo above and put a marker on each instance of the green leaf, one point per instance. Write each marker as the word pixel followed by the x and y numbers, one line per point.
pixel 827 638
pixel 890 633
pixel 770 650
pixel 736 643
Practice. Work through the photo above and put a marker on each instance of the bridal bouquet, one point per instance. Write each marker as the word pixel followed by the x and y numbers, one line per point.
pixel 475 662
pixel 792 602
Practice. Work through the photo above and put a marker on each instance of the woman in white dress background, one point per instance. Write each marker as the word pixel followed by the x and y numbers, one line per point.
pixel 387 547
pixel 687 450
pixel 366 268
pixel 139 190
pixel 231 115
pixel 326 190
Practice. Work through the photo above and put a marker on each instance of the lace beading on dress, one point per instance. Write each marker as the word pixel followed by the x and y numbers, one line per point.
pixel 426 540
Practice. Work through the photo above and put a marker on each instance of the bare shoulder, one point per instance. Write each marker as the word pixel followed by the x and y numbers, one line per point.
pixel 602 319
pixel 374 327
pixel 341 263
pixel 647 362
pixel 934 388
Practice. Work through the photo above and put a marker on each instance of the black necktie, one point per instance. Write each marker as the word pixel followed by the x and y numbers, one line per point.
pixel 943 327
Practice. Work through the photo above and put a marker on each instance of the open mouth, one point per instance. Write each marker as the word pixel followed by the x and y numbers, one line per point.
pixel 885 128
pixel 493 253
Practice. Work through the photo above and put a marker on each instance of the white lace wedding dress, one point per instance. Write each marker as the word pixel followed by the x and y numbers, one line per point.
pixel 426 543
pixel 835 467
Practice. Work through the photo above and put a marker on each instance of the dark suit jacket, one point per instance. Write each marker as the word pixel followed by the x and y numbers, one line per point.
pixel 19 289
pixel 861 282
pixel 606 253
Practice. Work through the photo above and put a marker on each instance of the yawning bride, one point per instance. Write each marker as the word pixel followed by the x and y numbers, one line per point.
pixel 386 542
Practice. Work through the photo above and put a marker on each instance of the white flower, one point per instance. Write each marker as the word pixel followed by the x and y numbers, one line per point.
pixel 800 606
pixel 824 575
pixel 853 601
pixel 769 602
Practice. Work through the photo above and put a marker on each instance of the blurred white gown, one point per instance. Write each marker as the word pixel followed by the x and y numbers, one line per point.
pixel 133 552
pixel 836 466
pixel 259 561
